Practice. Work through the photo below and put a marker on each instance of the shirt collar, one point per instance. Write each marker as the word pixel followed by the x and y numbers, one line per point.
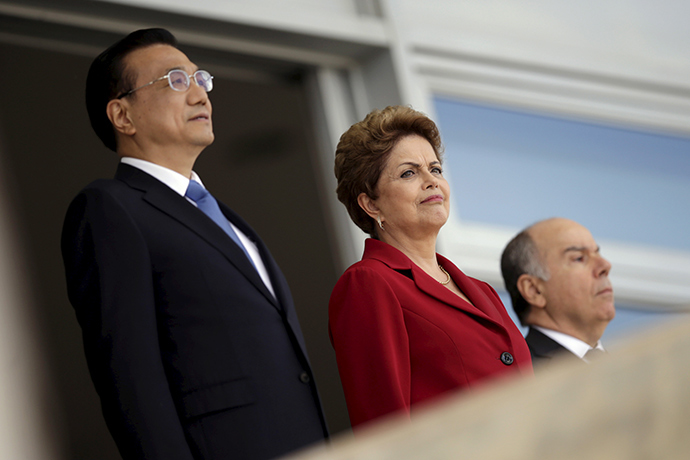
pixel 572 344
pixel 172 179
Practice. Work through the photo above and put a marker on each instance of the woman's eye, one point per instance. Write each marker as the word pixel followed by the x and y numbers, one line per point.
pixel 407 173
pixel 436 170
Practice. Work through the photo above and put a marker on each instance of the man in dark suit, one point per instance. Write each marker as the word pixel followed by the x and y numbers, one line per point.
pixel 559 286
pixel 189 330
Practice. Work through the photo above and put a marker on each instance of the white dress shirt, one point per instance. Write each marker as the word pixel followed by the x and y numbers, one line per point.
pixel 179 184
pixel 572 344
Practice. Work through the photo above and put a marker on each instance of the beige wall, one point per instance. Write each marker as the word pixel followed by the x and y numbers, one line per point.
pixel 27 419
pixel 631 404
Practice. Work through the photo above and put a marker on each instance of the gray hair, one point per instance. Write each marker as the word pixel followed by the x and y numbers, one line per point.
pixel 521 256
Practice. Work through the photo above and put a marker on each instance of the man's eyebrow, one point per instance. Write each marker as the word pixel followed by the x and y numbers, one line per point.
pixel 579 249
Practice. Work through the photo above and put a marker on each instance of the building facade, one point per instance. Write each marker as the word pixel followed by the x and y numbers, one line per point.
pixel 582 110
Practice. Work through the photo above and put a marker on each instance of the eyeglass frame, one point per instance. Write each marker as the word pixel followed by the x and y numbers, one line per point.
pixel 170 84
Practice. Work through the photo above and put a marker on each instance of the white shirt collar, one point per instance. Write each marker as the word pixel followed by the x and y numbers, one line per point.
pixel 172 179
pixel 572 344
pixel 180 183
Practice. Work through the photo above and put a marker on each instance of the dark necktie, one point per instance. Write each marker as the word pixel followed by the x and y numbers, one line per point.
pixel 209 206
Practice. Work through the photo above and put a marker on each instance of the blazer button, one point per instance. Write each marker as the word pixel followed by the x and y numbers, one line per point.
pixel 304 377
pixel 507 358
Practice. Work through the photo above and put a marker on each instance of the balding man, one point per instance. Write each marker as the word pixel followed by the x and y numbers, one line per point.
pixel 559 286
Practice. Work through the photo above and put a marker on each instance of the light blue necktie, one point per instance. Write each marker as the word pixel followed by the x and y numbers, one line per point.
pixel 209 206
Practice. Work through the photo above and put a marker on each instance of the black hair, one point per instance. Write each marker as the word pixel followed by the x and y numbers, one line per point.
pixel 108 77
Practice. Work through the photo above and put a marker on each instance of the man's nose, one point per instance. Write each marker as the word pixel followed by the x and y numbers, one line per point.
pixel 197 94
pixel 603 267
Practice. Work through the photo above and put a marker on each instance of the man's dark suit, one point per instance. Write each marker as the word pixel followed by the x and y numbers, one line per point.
pixel 543 349
pixel 190 353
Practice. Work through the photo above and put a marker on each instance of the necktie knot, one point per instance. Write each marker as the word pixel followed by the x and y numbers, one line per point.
pixel 209 206
pixel 196 192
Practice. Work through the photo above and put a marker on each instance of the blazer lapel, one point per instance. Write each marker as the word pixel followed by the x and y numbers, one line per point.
pixel 479 298
pixel 280 286
pixel 544 350
pixel 433 288
pixel 177 207
pixel 542 345
pixel 273 271
pixel 282 291
pixel 398 261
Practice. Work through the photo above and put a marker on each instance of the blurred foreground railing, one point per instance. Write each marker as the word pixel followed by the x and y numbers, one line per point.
pixel 633 403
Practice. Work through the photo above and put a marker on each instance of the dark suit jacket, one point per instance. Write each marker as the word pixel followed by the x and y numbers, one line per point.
pixel 400 337
pixel 544 349
pixel 191 355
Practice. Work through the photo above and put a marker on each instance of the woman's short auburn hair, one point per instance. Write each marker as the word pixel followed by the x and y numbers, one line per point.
pixel 363 151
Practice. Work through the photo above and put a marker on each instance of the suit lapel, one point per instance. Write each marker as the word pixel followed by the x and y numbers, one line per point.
pixel 280 286
pixel 481 305
pixel 480 302
pixel 274 272
pixel 471 288
pixel 544 347
pixel 282 291
pixel 177 207
pixel 544 350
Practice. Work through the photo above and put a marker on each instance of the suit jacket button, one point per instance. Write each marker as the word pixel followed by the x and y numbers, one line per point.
pixel 507 358
pixel 304 377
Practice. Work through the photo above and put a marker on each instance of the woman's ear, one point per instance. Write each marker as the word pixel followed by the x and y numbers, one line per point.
pixel 368 205
pixel 118 113
pixel 532 290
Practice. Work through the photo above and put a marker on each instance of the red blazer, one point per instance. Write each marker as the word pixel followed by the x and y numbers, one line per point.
pixel 400 337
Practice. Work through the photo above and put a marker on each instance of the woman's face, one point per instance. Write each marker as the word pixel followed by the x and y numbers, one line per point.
pixel 414 198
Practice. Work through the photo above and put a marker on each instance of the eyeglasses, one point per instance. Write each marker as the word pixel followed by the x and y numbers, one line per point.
pixel 179 81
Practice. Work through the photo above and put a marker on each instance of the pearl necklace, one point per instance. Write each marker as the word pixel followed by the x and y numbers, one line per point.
pixel 447 276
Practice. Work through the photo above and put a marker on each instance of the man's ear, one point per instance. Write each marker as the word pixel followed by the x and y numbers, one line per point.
pixel 368 205
pixel 118 114
pixel 532 290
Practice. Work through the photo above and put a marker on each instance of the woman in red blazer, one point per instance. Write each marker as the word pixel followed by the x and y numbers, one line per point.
pixel 406 324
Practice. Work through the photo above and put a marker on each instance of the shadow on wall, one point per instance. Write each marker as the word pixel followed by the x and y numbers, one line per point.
pixel 28 417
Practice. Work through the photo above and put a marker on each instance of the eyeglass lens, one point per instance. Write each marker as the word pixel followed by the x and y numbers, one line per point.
pixel 179 80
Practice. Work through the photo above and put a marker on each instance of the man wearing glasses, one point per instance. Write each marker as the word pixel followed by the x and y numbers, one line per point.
pixel 189 330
